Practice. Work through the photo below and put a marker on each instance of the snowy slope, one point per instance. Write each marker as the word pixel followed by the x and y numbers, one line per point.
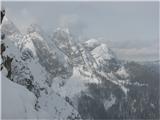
pixel 18 102
pixel 57 107
pixel 74 85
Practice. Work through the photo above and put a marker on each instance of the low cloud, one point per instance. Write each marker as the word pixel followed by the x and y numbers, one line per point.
pixel 21 18
pixel 147 53
pixel 28 18
pixel 73 22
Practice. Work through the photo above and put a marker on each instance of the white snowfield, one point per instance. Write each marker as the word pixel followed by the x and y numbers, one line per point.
pixel 74 85
pixel 56 106
pixel 18 102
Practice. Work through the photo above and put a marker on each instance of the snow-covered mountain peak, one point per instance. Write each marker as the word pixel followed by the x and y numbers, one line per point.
pixel 64 41
pixel 35 31
pixel 102 52
pixel 65 30
pixel 91 43
pixel 98 49
pixel 62 34
pixel 34 28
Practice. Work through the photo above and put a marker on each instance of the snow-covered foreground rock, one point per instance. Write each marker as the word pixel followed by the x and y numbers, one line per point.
pixel 18 102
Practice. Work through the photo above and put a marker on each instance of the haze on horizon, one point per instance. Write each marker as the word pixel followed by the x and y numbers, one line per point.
pixel 131 29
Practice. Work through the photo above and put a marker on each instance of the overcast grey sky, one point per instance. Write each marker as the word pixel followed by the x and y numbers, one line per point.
pixel 130 28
